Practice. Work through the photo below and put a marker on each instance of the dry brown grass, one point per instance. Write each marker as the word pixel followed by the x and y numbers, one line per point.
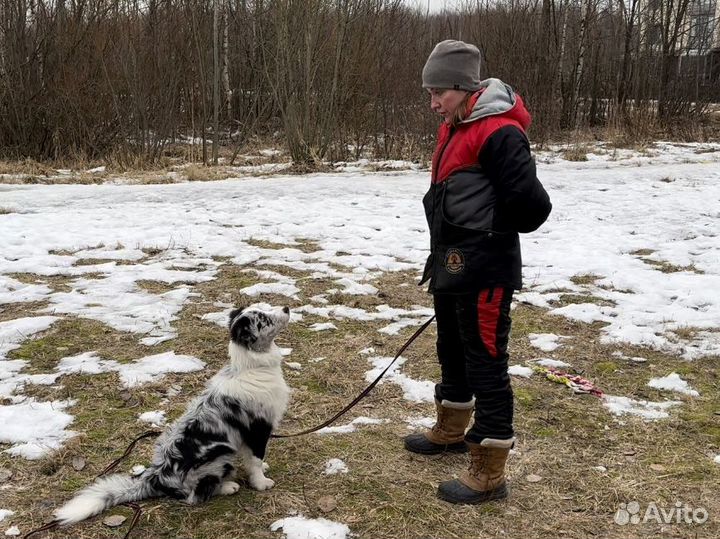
pixel 388 492
pixel 199 173
pixel 11 311
pixel 661 265
pixel 26 167
pixel 163 171
pixel 576 153
pixel 157 287
pixel 568 299
pixel 82 179
pixel 585 278
pixel 667 267
pixel 384 167
pixel 128 169
pixel 642 252
pixel 303 245
pixel 59 283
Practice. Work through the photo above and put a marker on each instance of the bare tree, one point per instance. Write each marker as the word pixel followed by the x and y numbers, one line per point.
pixel 216 83
pixel 121 80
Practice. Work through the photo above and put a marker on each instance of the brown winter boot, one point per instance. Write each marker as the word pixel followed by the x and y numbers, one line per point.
pixel 485 478
pixel 448 433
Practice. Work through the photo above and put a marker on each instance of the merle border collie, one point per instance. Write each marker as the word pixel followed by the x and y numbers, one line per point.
pixel 232 418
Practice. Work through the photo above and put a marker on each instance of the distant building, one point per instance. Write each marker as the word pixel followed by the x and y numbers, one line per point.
pixel 697 49
pixel 700 41
pixel 701 35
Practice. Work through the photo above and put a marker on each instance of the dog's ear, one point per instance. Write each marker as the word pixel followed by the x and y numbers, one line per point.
pixel 233 314
pixel 241 331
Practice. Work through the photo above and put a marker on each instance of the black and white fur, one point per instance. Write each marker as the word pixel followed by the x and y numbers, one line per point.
pixel 232 418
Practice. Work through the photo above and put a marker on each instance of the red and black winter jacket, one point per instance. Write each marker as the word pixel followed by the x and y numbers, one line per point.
pixel 484 191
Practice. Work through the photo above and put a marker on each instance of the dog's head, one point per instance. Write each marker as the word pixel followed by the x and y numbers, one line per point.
pixel 256 329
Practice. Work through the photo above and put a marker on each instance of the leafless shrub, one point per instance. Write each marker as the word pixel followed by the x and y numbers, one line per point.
pixel 130 83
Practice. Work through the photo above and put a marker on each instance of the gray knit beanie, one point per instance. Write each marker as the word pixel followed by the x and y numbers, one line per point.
pixel 453 64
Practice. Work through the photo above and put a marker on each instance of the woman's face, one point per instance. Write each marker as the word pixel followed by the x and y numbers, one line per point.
pixel 445 101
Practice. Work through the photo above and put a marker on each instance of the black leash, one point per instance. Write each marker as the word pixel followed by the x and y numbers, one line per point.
pixel 137 510
pixel 114 464
pixel 367 390
pixel 49 526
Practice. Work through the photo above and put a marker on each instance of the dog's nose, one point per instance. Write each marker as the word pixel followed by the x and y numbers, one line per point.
pixel 286 310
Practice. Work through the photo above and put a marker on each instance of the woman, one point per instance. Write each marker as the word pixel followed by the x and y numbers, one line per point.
pixel 484 191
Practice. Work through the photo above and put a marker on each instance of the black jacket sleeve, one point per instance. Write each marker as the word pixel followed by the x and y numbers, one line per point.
pixel 522 202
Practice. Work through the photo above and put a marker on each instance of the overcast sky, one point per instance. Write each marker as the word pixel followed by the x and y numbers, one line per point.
pixel 435 5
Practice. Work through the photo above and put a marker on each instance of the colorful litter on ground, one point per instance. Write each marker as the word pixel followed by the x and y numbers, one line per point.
pixel 577 383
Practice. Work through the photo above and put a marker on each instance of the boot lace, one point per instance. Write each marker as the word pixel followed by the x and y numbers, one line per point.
pixel 441 422
pixel 439 425
pixel 479 462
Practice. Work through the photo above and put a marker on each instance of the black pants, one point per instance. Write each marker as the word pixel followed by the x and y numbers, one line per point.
pixel 473 331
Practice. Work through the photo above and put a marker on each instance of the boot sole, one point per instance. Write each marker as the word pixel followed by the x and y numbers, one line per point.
pixel 460 447
pixel 499 493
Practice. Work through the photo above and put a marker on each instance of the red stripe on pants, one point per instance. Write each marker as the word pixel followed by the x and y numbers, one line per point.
pixel 488 315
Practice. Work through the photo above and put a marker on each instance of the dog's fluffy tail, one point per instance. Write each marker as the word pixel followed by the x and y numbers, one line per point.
pixel 106 492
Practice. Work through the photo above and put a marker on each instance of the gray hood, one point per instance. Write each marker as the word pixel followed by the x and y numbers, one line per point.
pixel 497 98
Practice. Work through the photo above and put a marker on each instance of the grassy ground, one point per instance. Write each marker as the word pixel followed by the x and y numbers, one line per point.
pixel 388 492
pixel 182 162
pixel 179 163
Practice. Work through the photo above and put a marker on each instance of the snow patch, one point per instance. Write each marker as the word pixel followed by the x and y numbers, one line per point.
pixel 647 410
pixel 335 466
pixel 35 428
pixel 673 382
pixel 520 370
pixel 155 418
pixel 553 363
pixel 413 390
pixel 352 426
pixel 299 527
pixel 547 342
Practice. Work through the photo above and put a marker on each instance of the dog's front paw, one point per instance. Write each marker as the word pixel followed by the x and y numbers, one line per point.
pixel 229 487
pixel 262 483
